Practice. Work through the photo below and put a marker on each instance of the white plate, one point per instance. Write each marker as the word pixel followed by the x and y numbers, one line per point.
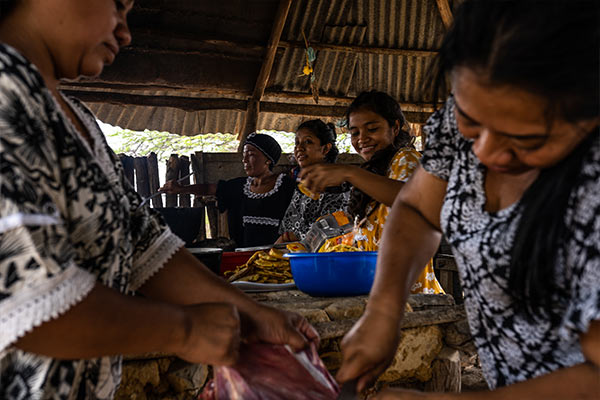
pixel 262 287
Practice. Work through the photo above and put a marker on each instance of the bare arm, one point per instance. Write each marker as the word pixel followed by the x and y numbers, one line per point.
pixel 411 236
pixel 383 189
pixel 107 322
pixel 199 189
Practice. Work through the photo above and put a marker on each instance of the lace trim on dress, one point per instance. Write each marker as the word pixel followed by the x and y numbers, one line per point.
pixel 154 258
pixel 34 305
pixel 260 221
pixel 250 194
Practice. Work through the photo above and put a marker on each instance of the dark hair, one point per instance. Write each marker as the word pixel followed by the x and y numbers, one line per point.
pixel 384 105
pixel 325 133
pixel 551 49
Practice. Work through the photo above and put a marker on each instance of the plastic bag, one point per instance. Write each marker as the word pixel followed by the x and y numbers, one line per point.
pixel 273 372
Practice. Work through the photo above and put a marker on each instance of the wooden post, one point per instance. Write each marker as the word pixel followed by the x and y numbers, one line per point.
pixel 213 217
pixel 251 118
pixel 445 372
pixel 141 176
pixel 184 169
pixel 172 174
pixel 223 228
pixel 154 179
pixel 128 168
pixel 445 12
pixel 197 161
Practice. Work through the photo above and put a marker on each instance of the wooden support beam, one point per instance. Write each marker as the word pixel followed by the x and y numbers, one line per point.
pixel 251 118
pixel 445 12
pixel 360 49
pixel 154 179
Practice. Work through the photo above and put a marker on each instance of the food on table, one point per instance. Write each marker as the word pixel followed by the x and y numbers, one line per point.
pixel 263 267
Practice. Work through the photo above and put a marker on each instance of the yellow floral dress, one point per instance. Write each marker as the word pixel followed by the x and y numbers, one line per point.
pixel 370 231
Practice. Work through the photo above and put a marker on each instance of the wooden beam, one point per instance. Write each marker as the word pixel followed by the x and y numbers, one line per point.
pixel 445 12
pixel 251 117
pixel 361 49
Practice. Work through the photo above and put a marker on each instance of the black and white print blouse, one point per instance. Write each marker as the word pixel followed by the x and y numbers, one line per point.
pixel 303 211
pixel 68 219
pixel 510 347
pixel 254 218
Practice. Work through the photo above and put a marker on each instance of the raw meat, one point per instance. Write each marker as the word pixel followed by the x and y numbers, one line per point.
pixel 273 372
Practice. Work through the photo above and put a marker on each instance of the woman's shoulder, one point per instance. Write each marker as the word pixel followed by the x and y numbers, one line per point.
pixel 18 74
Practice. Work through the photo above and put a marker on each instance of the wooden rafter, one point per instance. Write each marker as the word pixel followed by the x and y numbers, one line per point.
pixel 251 118
pixel 445 12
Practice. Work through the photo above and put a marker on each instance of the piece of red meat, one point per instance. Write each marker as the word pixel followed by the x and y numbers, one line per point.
pixel 273 372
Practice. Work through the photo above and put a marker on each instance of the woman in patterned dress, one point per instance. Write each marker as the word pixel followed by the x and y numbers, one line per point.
pixel 511 176
pixel 375 122
pixel 314 144
pixel 75 247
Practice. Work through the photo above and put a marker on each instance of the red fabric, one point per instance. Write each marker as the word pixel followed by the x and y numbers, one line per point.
pixel 272 372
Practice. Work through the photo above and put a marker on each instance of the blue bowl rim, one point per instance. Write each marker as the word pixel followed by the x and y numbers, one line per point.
pixel 330 254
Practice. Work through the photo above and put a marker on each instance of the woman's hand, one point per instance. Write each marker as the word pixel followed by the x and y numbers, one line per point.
pixel 368 348
pixel 287 237
pixel 317 177
pixel 274 326
pixel 172 187
pixel 212 334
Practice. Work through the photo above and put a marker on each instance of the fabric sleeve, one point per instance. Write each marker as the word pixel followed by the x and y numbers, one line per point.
pixel 442 141
pixel 39 279
pixel 153 241
pixel 404 164
pixel 583 257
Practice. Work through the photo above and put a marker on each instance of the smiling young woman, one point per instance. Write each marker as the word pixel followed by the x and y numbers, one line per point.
pixel 511 176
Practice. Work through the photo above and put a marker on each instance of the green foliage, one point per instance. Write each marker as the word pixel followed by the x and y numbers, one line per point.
pixel 140 144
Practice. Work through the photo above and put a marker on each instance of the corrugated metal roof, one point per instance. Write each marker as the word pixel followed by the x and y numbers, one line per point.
pixel 400 24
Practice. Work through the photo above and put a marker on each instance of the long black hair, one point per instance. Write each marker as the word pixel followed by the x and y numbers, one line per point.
pixel 388 108
pixel 551 49
pixel 325 133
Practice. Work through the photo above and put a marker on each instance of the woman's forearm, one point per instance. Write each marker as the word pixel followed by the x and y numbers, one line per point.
pixel 409 241
pixel 581 381
pixel 107 322
pixel 380 188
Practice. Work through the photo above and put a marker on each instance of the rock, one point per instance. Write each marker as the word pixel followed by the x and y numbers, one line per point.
pixel 346 309
pixel 457 333
pixel 417 349
pixel 446 372
pixel 419 301
pixel 188 379
pixel 136 376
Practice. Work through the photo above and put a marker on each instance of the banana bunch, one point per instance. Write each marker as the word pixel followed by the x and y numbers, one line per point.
pixel 328 247
pixel 263 267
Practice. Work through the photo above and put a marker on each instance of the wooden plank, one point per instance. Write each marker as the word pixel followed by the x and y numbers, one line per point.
pixel 154 179
pixel 128 168
pixel 360 49
pixel 251 118
pixel 184 169
pixel 172 174
pixel 141 176
pixel 198 167
pixel 223 228
pixel 445 12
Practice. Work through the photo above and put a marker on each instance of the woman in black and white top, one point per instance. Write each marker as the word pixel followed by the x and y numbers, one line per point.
pixel 255 204
pixel 511 176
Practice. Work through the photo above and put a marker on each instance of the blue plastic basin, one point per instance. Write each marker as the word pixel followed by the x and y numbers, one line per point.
pixel 334 274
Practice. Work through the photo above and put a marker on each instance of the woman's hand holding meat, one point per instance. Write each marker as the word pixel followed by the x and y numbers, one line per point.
pixel 270 325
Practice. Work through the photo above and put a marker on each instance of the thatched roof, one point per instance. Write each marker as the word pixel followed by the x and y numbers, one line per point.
pixel 197 66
